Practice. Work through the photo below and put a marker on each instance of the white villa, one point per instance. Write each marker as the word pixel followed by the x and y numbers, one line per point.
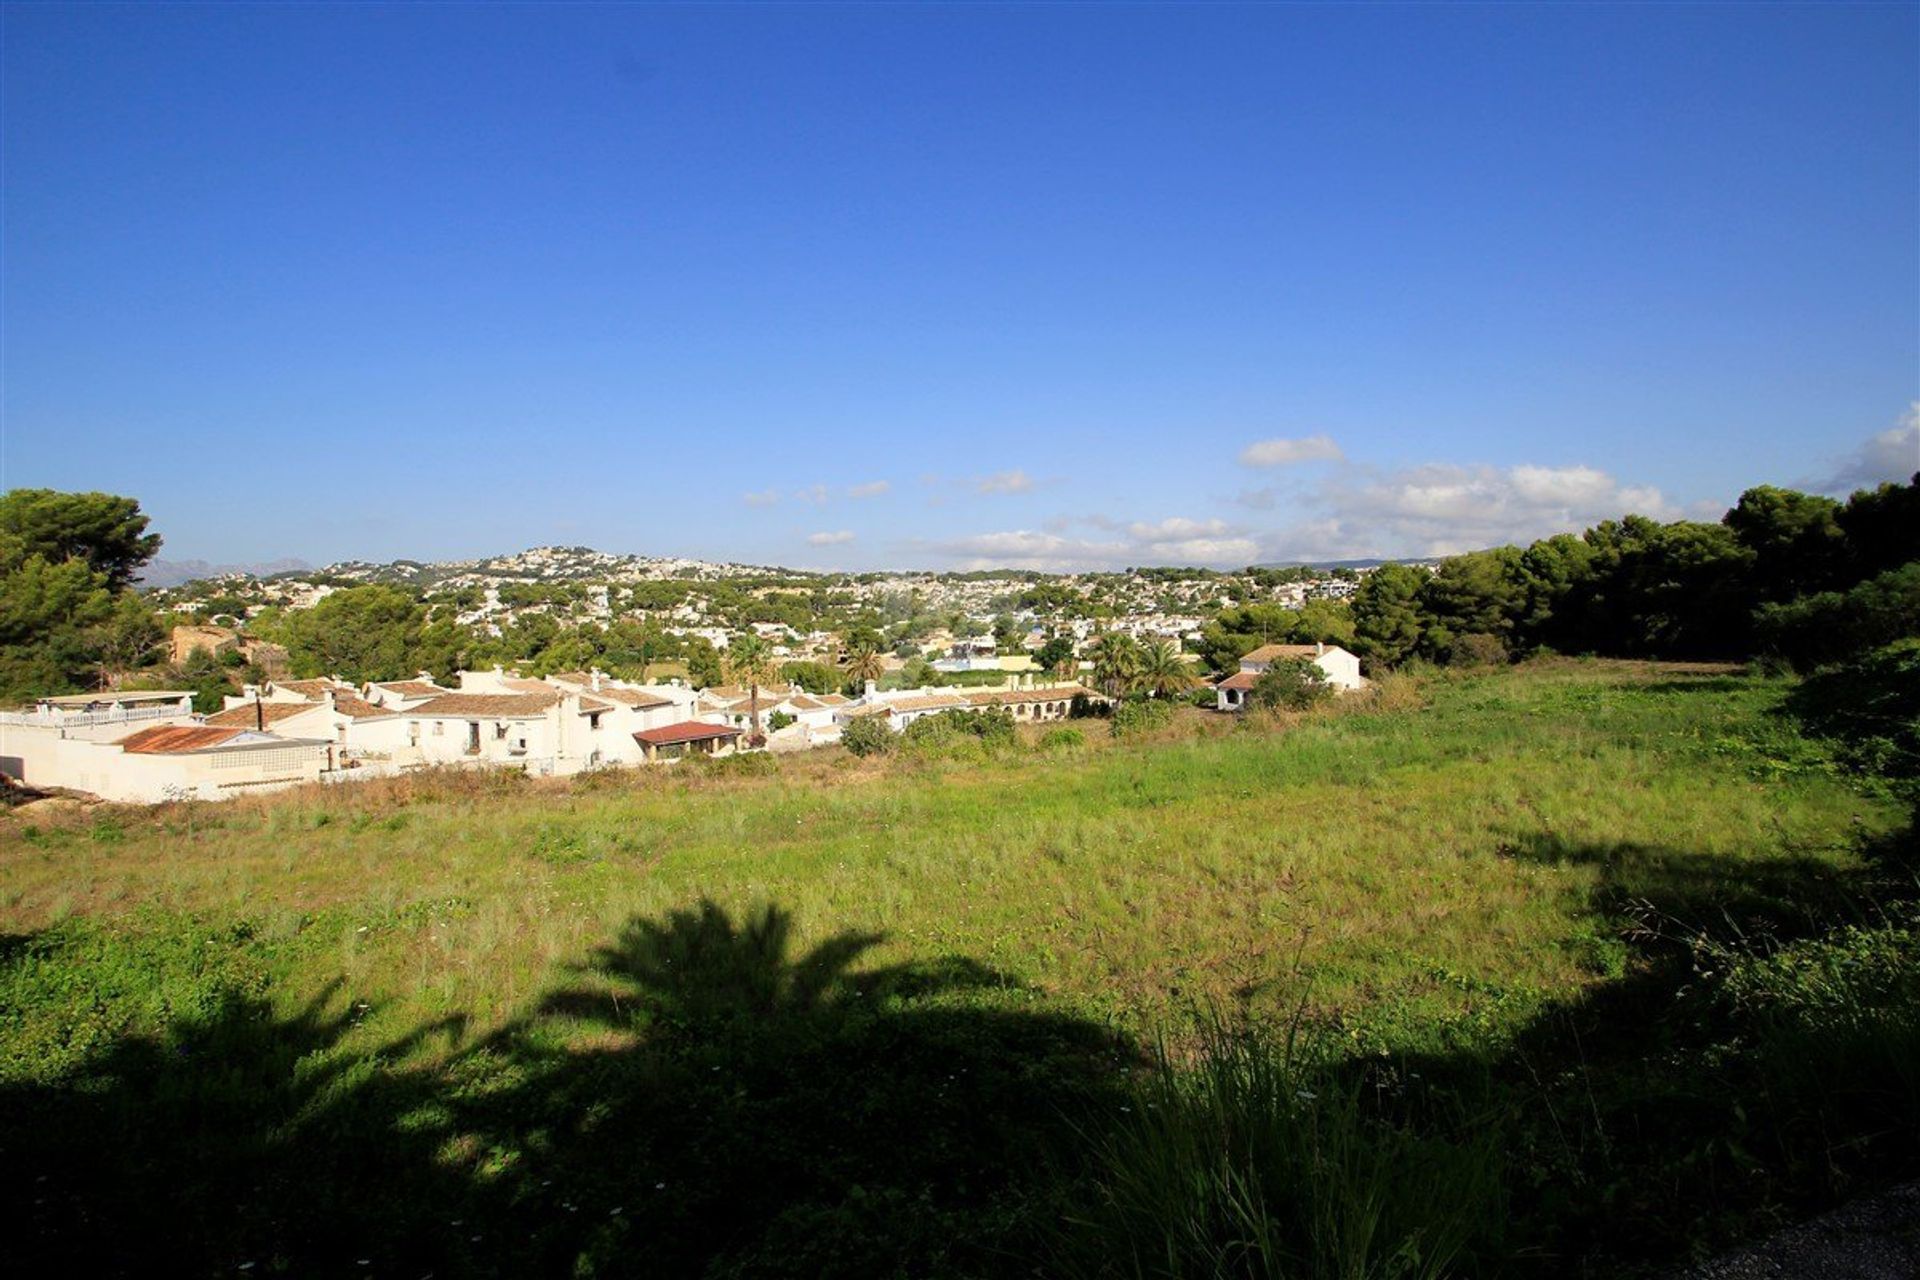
pixel 1342 670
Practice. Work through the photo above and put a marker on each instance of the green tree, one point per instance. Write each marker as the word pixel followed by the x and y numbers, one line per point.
pixel 704 665
pixel 1163 672
pixel 1477 593
pixel 1795 538
pixel 867 736
pixel 48 610
pixel 108 533
pixel 358 634
pixel 1291 684
pixel 128 638
pixel 1116 662
pixel 814 677
pixel 1058 650
pixel 1388 620
pixel 750 662
pixel 864 664
pixel 1883 529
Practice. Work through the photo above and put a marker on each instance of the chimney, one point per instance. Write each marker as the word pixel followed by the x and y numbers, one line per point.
pixel 1319 647
pixel 870 690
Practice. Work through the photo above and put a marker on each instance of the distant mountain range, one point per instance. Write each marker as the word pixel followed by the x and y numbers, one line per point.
pixel 172 573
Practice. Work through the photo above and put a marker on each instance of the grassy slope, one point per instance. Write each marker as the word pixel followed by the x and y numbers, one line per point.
pixel 368 1020
pixel 1454 858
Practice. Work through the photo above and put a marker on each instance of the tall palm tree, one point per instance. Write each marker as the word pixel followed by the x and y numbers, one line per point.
pixel 1163 672
pixel 1116 663
pixel 1067 667
pixel 864 664
pixel 751 662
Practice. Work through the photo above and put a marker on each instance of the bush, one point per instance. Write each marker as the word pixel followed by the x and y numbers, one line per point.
pixel 1291 685
pixel 1871 705
pixel 1062 739
pixel 867 736
pixel 1834 625
pixel 1139 715
pixel 780 720
pixel 1477 649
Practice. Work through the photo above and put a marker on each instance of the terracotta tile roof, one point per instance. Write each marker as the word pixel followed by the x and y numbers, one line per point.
pixel 631 697
pixel 1242 680
pixel 356 708
pixel 169 739
pixel 928 702
pixel 410 688
pixel 312 690
pixel 481 706
pixel 242 717
pixel 521 685
pixel 686 731
pixel 737 692
pixel 1269 652
pixel 1010 697
pixel 581 678
pixel 590 703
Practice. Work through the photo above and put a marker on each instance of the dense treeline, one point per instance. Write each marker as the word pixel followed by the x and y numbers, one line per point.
pixel 1784 574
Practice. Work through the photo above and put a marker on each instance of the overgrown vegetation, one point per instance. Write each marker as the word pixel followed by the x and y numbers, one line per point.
pixel 1567 968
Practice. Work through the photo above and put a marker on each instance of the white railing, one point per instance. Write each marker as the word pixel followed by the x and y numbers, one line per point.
pixel 84 719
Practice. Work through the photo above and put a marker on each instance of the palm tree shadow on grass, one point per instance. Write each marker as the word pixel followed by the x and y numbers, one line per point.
pixel 696 1099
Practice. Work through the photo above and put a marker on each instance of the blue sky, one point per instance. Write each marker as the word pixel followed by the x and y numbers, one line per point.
pixel 873 286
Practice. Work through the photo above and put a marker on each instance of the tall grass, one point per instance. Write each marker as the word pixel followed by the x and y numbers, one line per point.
pixel 1261 1155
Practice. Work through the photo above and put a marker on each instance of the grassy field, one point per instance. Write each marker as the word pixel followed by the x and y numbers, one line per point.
pixel 826 1016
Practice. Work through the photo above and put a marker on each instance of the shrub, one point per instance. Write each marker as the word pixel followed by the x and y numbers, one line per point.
pixel 780 720
pixel 1871 705
pixel 867 736
pixel 1838 624
pixel 1291 685
pixel 1062 739
pixel 1477 649
pixel 1139 715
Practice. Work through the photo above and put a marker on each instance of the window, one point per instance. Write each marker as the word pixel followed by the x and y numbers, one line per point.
pixel 499 732
pixel 593 720
pixel 413 733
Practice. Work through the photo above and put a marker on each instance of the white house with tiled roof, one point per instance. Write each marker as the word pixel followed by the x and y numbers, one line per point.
pixel 1341 668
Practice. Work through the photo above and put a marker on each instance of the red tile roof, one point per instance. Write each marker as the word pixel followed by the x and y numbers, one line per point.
pixel 168 739
pixel 243 717
pixel 1268 652
pixel 479 706
pixel 1239 680
pixel 686 731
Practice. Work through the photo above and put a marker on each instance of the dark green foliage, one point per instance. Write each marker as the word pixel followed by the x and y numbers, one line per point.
pixel 207 678
pixel 993 728
pixel 1870 705
pixel 1796 540
pixel 1139 715
pixel 779 720
pixel 363 634
pixel 814 677
pixel 1477 649
pixel 1289 684
pixel 1833 624
pixel 868 736
pixel 1784 573
pixel 1388 621
pixel 105 532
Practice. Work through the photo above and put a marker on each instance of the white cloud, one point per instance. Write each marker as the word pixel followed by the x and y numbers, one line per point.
pixel 1015 481
pixel 1894 455
pixel 1174 541
pixel 1441 508
pixel 1285 453
pixel 835 539
pixel 766 499
pixel 815 493
pixel 872 489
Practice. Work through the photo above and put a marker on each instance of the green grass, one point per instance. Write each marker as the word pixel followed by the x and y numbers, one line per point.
pixel 457 997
